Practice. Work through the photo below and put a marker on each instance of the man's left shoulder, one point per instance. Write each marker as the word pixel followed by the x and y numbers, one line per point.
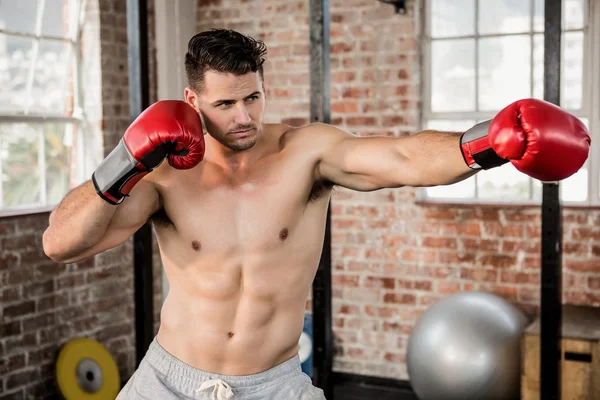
pixel 311 135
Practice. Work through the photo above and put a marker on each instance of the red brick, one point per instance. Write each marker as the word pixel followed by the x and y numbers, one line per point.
pixel 19 309
pixel 10 329
pixel 498 260
pixel 361 121
pixel 439 242
pixel 20 378
pixel 381 312
pixel 575 217
pixel 70 281
pixel 520 277
pixel 529 294
pixel 582 265
pixel 479 274
pixel 581 298
pixel 521 216
pixel 39 321
pixel 348 309
pixel 397 327
pixel 11 363
pixel 341 47
pixel 17 395
pixel 17 276
pixel 586 233
pixel 447 287
pixel 379 282
pixel 52 302
pixel 415 284
pixel 9 294
pixel 594 282
pixel 574 281
pixel 396 358
pixel 20 242
pixel 398 298
pixel 8 260
pixel 346 280
pixel 344 107
pixel 529 246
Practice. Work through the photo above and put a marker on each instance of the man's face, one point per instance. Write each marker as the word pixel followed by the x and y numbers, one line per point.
pixel 232 107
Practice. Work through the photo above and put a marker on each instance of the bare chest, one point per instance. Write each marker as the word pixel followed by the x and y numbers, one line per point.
pixel 262 209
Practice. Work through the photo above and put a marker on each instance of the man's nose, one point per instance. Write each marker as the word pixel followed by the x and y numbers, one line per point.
pixel 243 116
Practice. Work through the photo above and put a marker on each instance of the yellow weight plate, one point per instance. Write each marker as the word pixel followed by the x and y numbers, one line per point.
pixel 85 370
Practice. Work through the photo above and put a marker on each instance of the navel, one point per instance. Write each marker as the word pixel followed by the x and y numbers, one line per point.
pixel 230 334
pixel 283 234
pixel 196 245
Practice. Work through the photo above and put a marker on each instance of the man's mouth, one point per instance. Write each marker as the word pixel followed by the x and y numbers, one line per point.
pixel 241 132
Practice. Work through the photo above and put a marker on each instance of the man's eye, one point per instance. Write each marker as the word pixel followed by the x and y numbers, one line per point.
pixel 252 97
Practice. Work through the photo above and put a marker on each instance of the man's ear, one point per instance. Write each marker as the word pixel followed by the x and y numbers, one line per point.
pixel 191 98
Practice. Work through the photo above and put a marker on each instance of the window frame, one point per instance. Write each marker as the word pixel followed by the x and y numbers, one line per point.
pixel 77 119
pixel 589 106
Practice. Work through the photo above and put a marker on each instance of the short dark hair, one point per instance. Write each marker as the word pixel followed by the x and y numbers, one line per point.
pixel 225 51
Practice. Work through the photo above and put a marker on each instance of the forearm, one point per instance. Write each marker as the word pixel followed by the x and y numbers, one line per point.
pixel 77 223
pixel 437 157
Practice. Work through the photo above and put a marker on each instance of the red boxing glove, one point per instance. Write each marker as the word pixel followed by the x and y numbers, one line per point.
pixel 539 138
pixel 169 128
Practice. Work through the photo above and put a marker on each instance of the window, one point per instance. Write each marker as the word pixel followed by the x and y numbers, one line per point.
pixel 481 56
pixel 40 117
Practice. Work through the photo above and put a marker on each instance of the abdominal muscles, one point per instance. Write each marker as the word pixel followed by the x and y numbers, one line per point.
pixel 237 316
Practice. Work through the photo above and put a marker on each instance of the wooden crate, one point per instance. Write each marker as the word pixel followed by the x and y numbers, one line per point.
pixel 580 356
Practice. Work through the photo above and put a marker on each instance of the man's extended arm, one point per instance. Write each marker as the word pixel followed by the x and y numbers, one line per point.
pixel 539 138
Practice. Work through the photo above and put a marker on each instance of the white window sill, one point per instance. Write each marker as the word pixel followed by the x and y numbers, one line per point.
pixel 26 211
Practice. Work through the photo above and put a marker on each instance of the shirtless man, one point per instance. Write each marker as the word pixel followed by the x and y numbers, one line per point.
pixel 239 212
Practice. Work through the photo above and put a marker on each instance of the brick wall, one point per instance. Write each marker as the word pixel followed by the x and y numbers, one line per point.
pixel 393 257
pixel 44 304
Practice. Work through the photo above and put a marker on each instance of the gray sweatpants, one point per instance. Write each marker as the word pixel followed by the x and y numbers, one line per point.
pixel 161 376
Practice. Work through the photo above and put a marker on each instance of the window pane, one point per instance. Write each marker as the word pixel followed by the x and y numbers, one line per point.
pixel 453 75
pixel 503 183
pixel 15 62
pixel 504 16
pixel 573 15
pixel 18 15
pixel 538 66
pixel 19 158
pixel 57 20
pixel 461 190
pixel 575 187
pixel 449 125
pixel 58 160
pixel 573 12
pixel 452 18
pixel 51 89
pixel 572 70
pixel 503 71
pixel 538 15
pixel 20 163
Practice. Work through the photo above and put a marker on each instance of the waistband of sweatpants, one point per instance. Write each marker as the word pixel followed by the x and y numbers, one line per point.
pixel 178 372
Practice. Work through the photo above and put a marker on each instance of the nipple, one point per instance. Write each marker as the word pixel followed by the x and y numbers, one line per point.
pixel 196 245
pixel 283 234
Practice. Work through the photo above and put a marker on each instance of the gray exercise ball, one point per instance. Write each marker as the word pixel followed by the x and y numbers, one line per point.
pixel 467 346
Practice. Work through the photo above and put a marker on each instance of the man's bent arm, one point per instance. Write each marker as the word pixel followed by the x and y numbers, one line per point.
pixel 84 224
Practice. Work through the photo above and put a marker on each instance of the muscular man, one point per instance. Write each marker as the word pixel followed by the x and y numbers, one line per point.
pixel 239 212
